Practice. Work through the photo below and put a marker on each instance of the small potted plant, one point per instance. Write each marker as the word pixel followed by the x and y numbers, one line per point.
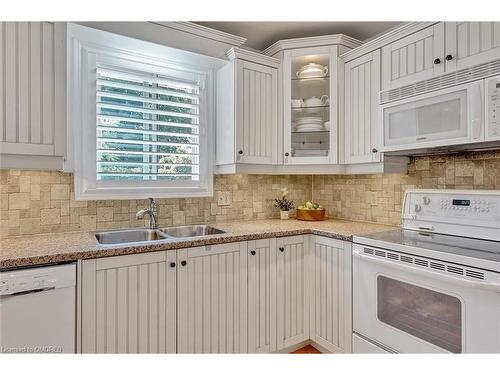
pixel 284 204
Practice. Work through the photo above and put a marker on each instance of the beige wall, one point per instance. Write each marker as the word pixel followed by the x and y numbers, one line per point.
pixel 42 202
pixel 349 197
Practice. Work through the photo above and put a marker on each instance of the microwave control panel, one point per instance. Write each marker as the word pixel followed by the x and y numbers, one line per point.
pixel 493 102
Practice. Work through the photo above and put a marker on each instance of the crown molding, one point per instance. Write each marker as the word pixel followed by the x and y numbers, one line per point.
pixel 248 55
pixel 312 41
pixel 386 38
pixel 205 32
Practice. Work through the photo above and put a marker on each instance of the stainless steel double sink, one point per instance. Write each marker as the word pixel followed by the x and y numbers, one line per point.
pixel 133 235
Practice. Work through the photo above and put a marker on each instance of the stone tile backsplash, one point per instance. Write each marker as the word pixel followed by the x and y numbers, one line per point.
pixel 350 197
pixel 43 202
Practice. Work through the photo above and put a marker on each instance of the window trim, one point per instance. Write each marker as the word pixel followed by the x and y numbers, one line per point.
pixel 83 46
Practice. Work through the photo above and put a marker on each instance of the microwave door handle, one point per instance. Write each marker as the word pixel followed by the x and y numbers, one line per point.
pixel 468 283
pixel 476 110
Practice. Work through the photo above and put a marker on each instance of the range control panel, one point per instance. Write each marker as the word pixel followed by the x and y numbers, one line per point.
pixel 465 213
pixel 468 205
pixel 493 100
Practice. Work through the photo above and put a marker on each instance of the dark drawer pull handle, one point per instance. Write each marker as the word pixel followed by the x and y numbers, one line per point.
pixel 374 150
pixel 172 264
pixel 240 152
pixel 437 61
pixel 449 57
pixel 252 252
pixel 282 249
pixel 287 154
pixel 183 263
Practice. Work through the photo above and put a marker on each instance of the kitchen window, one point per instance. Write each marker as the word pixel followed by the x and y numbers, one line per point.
pixel 142 118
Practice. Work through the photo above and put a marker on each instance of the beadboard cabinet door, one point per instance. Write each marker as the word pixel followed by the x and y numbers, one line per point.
pixel 413 58
pixel 212 299
pixel 471 43
pixel 292 291
pixel 256 113
pixel 331 323
pixel 361 89
pixel 33 89
pixel 129 304
pixel 247 112
pixel 262 308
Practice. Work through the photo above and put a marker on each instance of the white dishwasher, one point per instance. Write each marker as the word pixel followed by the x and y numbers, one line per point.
pixel 38 310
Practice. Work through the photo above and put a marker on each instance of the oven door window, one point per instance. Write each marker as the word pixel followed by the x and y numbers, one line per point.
pixel 424 313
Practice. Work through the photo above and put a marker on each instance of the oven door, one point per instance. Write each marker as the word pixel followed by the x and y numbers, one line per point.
pixel 418 305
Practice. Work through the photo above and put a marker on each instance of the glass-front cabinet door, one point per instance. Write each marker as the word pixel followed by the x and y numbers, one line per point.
pixel 309 105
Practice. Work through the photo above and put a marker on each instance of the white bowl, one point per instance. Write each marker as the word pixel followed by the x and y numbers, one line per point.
pixel 312 70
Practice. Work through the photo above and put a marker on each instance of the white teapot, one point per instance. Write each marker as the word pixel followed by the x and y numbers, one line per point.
pixel 315 102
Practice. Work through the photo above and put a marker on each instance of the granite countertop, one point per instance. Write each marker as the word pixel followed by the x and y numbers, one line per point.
pixel 66 247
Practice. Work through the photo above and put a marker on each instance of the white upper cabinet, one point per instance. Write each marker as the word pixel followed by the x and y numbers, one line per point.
pixel 361 89
pixel 212 299
pixel 33 91
pixel 471 43
pixel 415 57
pixel 257 104
pixel 247 109
pixel 310 105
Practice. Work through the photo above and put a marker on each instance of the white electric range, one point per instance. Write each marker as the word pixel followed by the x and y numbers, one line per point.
pixel 434 285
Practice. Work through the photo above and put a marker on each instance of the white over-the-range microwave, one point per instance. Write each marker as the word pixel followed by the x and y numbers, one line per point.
pixel 464 116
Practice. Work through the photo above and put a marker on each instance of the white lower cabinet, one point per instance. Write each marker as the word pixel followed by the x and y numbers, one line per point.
pixel 212 299
pixel 262 303
pixel 259 296
pixel 128 304
pixel 292 291
pixel 331 322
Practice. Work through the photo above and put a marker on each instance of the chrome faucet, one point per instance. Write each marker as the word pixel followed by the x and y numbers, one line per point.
pixel 151 211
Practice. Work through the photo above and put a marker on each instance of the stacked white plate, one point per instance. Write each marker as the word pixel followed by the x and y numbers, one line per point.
pixel 309 124
pixel 311 153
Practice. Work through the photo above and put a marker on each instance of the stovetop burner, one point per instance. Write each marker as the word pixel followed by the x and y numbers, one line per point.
pixel 456 245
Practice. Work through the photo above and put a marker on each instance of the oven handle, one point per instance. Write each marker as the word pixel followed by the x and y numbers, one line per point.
pixel 469 283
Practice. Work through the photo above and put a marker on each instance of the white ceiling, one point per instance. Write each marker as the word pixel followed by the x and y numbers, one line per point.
pixel 262 34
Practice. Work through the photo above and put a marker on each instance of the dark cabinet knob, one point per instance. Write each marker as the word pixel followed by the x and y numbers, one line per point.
pixel 183 263
pixel 172 264
pixel 287 154
pixel 437 61
pixel 282 249
pixel 252 252
pixel 448 57
pixel 240 152
pixel 374 150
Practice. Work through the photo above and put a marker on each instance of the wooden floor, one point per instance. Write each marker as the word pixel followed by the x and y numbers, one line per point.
pixel 308 349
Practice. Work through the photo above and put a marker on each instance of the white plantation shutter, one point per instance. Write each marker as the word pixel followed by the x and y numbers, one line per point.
pixel 148 126
pixel 141 118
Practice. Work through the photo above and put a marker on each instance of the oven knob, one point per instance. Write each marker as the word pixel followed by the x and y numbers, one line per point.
pixel 418 208
pixel 426 200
